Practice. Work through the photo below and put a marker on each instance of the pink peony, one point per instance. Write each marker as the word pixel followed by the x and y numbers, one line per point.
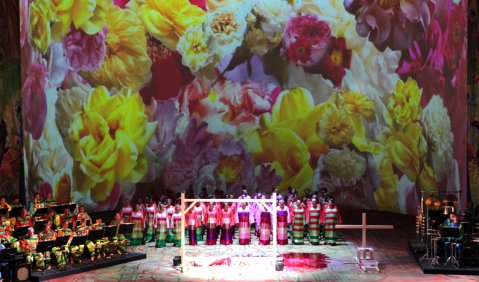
pixel 85 52
pixel 306 40
pixel 35 100
pixel 394 24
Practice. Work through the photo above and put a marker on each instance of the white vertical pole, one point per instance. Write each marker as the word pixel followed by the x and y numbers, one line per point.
pixel 363 227
pixel 183 250
pixel 275 225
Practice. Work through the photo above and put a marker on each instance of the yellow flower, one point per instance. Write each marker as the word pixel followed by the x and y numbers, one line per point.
pixel 427 179
pixel 336 129
pixel 404 107
pixel 357 104
pixel 287 138
pixel 404 148
pixel 108 139
pixel 168 20
pixel 386 195
pixel 126 62
pixel 40 32
pixel 88 15
pixel 287 153
pixel 193 48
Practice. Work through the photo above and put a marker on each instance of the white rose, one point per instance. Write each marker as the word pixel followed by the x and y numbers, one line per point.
pixel 439 136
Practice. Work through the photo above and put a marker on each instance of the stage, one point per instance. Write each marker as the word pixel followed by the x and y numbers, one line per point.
pixel 86 265
pixel 302 263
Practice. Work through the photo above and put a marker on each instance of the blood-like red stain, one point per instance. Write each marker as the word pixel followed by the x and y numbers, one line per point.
pixel 305 261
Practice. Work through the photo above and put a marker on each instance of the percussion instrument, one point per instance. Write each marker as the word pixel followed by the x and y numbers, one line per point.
pixel 433 202
pixel 450 200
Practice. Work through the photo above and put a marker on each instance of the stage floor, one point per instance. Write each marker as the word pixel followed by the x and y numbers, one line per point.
pixel 304 263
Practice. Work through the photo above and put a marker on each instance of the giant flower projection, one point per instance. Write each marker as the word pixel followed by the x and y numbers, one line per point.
pixel 135 98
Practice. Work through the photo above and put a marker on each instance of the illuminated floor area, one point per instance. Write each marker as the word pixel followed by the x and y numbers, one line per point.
pixel 303 263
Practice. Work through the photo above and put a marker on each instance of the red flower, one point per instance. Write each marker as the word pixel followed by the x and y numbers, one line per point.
pixel 306 40
pixel 121 3
pixel 199 3
pixel 335 63
pixel 168 73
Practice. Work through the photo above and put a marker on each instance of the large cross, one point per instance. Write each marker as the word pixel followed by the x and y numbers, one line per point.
pixel 364 227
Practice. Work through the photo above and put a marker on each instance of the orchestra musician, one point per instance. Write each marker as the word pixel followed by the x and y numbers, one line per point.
pixel 29 246
pixel 459 240
pixel 77 251
pixel 4 204
pixel 82 214
pixel 49 201
pixel 24 219
pixel 119 241
pixel 66 216
pixel 35 204
pixel 53 219
pixel 43 259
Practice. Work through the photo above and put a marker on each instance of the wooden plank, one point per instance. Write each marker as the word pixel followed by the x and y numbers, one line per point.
pixel 353 226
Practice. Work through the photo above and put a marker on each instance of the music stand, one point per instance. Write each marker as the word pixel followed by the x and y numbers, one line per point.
pixel 21 231
pixel 45 246
pixel 72 207
pixel 125 228
pixel 451 232
pixel 61 241
pixel 39 225
pixel 110 231
pixel 78 240
pixel 58 208
pixel 94 235
pixel 16 211
pixel 40 212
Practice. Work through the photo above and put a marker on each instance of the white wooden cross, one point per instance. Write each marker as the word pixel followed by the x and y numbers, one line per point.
pixel 364 227
pixel 365 262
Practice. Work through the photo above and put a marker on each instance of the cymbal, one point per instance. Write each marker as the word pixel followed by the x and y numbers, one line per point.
pixel 450 198
pixel 432 202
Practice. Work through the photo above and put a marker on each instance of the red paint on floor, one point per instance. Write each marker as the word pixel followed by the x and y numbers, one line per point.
pixel 305 261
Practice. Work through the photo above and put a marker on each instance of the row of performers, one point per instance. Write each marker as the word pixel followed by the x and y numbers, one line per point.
pixel 163 223
pixel 56 220
pixel 104 247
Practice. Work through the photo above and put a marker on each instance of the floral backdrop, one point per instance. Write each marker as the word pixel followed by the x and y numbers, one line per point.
pixel 124 98
pixel 10 100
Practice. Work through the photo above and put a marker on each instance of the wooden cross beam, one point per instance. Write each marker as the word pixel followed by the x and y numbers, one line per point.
pixel 364 227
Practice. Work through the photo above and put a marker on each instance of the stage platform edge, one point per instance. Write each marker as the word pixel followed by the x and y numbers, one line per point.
pixel 418 250
pixel 86 265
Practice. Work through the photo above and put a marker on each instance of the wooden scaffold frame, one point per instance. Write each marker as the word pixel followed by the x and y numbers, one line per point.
pixel 272 209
